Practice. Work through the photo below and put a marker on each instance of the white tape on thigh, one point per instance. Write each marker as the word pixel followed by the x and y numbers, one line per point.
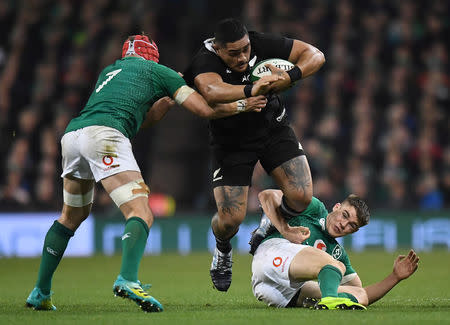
pixel 78 200
pixel 129 192
pixel 183 93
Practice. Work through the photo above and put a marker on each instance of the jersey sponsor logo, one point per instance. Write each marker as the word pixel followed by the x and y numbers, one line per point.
pixel 337 252
pixel 246 78
pixel 277 261
pixel 110 75
pixel 111 167
pixel 108 160
pixel 319 243
pixel 322 223
pixel 228 71
pixel 284 264
pixel 216 172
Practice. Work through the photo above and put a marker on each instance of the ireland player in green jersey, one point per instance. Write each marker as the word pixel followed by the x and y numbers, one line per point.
pixel 304 248
pixel 132 92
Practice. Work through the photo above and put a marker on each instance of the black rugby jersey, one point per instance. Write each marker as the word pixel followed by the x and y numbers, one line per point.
pixel 246 127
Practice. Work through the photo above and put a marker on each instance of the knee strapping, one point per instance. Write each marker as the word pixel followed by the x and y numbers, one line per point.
pixel 129 191
pixel 78 200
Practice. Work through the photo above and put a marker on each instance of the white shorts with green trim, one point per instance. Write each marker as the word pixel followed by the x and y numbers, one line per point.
pixel 270 272
pixel 96 152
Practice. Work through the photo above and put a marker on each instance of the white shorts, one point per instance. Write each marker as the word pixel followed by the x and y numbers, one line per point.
pixel 96 152
pixel 270 272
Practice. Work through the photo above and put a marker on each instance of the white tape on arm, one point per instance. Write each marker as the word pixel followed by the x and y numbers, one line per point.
pixel 183 93
pixel 78 200
pixel 241 105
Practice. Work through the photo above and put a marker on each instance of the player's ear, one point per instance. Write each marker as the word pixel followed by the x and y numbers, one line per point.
pixel 336 206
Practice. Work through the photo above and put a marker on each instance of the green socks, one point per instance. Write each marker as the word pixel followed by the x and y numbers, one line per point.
pixel 347 295
pixel 55 244
pixel 329 279
pixel 134 240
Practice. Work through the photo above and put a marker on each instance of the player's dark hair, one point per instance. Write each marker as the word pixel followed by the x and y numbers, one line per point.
pixel 229 30
pixel 362 210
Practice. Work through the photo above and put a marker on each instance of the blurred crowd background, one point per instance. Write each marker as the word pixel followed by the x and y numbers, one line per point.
pixel 373 121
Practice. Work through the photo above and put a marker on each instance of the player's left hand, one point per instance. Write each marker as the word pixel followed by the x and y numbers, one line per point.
pixel 282 84
pixel 404 266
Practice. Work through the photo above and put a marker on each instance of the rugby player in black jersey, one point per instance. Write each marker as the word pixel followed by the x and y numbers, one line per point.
pixel 220 72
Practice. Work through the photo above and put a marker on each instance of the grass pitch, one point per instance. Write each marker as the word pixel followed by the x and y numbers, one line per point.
pixel 83 293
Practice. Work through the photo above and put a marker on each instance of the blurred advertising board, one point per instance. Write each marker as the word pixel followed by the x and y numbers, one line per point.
pixel 22 234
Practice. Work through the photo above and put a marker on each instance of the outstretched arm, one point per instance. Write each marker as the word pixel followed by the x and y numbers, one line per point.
pixel 196 103
pixel 251 104
pixel 212 87
pixel 404 267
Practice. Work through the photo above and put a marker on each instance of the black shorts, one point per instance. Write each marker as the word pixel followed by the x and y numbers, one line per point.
pixel 233 166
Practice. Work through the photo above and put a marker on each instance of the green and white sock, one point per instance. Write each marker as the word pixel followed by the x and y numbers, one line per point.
pixel 55 244
pixel 134 240
pixel 329 279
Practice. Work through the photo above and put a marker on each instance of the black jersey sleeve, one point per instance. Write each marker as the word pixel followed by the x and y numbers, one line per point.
pixel 270 45
pixel 203 62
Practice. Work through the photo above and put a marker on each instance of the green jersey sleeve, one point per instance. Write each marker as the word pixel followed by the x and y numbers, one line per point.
pixel 346 261
pixel 167 80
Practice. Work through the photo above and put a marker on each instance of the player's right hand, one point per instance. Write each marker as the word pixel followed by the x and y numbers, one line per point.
pixel 296 235
pixel 263 85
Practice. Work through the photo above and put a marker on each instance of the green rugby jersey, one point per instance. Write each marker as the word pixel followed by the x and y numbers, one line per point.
pixel 315 217
pixel 124 92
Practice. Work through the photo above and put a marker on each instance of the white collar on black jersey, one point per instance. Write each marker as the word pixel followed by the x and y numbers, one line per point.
pixel 209 46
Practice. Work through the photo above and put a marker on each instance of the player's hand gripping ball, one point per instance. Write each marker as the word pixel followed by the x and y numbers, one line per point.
pixel 260 70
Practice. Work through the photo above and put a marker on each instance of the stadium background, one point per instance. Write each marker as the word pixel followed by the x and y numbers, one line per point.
pixel 374 120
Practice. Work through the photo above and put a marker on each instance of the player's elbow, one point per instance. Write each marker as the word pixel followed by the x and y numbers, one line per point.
pixel 211 94
pixel 264 195
pixel 206 113
pixel 360 294
pixel 319 58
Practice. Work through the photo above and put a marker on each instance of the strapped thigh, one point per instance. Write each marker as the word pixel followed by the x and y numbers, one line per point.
pixel 78 200
pixel 129 191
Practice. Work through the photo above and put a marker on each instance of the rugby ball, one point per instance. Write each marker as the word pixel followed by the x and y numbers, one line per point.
pixel 260 69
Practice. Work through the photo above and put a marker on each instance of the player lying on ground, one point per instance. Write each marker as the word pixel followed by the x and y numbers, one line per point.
pixel 304 248
pixel 96 147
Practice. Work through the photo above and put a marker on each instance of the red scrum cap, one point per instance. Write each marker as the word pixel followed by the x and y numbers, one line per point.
pixel 142 46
